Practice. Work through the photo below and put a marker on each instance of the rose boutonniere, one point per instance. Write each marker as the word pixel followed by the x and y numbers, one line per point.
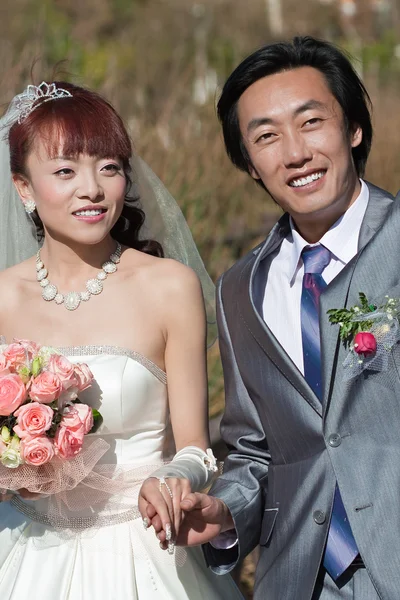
pixel 369 332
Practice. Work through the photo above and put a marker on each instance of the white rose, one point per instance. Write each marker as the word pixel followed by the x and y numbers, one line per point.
pixel 44 354
pixel 11 458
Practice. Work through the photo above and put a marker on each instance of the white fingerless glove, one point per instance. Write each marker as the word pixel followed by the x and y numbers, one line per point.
pixel 191 463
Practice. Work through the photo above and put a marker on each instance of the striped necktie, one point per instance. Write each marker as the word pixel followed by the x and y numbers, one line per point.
pixel 341 548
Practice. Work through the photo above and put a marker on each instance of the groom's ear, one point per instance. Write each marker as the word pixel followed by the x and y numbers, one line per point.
pixel 252 171
pixel 356 135
pixel 23 187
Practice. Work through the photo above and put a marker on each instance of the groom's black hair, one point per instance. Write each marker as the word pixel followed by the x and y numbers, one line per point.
pixel 341 77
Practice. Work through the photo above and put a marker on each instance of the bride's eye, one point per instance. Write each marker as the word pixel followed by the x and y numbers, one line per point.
pixel 64 172
pixel 111 168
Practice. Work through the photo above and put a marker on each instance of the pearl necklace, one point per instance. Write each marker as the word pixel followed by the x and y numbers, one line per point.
pixel 72 300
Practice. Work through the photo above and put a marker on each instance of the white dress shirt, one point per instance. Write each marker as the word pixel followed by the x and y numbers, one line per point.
pixel 285 277
pixel 284 286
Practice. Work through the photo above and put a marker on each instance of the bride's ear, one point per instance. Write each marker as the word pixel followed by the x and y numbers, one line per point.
pixel 23 187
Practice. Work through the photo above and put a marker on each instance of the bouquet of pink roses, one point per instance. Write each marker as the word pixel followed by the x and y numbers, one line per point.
pixel 42 421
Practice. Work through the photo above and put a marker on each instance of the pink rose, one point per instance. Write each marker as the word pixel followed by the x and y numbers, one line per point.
pixel 46 387
pixel 84 376
pixel 12 393
pixel 32 348
pixel 16 355
pixel 365 343
pixel 4 370
pixel 64 369
pixel 68 442
pixel 71 418
pixel 37 450
pixel 33 419
pixel 86 416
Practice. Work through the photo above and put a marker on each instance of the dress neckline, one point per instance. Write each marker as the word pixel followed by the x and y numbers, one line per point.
pixel 99 349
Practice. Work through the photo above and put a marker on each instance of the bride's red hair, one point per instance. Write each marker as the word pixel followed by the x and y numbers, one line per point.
pixel 84 123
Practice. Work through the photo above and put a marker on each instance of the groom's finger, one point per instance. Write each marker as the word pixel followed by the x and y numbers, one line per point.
pixel 156 523
pixel 195 501
pixel 150 511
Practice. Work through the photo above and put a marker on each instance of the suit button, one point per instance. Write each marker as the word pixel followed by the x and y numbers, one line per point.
pixel 334 440
pixel 319 517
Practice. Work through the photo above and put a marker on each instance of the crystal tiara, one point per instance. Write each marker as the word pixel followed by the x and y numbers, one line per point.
pixel 35 95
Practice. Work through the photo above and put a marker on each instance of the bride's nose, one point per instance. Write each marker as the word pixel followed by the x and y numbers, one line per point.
pixel 90 188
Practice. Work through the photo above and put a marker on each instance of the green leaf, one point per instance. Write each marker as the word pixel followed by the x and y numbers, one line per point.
pixel 97 420
pixel 363 300
pixel 36 366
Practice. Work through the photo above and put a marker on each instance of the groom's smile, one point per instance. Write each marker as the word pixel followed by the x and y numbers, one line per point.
pixel 300 146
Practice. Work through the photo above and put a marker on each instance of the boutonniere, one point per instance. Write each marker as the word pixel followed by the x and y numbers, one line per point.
pixel 369 332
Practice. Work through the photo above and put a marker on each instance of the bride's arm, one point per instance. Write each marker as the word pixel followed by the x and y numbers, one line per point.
pixel 185 363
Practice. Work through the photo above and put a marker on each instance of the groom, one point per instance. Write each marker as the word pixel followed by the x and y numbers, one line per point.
pixel 313 472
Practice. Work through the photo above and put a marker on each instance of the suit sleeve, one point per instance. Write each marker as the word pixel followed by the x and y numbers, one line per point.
pixel 243 484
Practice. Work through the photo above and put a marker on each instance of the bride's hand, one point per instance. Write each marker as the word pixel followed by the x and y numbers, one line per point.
pixel 159 505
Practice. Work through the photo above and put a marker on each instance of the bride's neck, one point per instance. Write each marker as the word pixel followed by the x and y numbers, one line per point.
pixel 69 264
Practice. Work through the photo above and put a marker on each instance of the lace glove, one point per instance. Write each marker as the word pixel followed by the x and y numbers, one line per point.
pixel 191 463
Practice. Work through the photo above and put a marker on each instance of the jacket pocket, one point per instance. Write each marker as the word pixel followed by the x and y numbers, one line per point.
pixel 267 525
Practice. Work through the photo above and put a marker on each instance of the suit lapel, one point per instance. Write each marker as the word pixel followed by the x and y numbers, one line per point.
pixel 336 295
pixel 251 294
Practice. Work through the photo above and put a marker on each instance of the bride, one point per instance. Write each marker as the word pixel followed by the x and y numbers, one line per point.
pixel 101 293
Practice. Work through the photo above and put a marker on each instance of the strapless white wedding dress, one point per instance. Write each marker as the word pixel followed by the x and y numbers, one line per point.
pixel 111 561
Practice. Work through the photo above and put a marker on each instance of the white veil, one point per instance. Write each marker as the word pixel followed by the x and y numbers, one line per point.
pixel 164 220
pixel 17 231
pixel 165 223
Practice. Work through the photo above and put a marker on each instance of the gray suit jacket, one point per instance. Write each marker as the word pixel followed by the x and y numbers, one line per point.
pixel 287 449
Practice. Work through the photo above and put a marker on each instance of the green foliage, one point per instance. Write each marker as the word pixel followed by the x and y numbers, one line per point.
pixel 349 326
pixel 222 55
pixel 353 320
pixel 381 55
pixel 97 420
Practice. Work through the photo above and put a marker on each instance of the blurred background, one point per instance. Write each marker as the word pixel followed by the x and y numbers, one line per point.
pixel 162 64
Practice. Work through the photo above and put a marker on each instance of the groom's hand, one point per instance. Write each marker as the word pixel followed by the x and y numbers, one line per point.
pixel 204 517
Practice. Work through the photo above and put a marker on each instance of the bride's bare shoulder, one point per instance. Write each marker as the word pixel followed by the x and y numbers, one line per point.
pixel 167 274
pixel 14 279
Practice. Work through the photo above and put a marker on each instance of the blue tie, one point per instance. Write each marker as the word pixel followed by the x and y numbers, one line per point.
pixel 341 548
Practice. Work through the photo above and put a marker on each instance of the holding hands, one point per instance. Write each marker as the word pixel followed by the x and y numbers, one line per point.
pixel 160 506
pixel 185 518
pixel 170 503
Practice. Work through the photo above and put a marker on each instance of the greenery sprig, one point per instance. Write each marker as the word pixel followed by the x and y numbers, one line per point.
pixel 346 318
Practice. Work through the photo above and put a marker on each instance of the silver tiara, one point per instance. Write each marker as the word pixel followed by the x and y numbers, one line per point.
pixel 35 95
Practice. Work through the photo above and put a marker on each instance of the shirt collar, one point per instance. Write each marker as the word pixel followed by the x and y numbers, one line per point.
pixel 341 239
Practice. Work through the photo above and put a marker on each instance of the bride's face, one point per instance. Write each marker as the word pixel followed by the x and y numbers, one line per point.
pixel 77 197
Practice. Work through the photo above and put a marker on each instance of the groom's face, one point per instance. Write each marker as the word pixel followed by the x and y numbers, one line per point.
pixel 298 143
